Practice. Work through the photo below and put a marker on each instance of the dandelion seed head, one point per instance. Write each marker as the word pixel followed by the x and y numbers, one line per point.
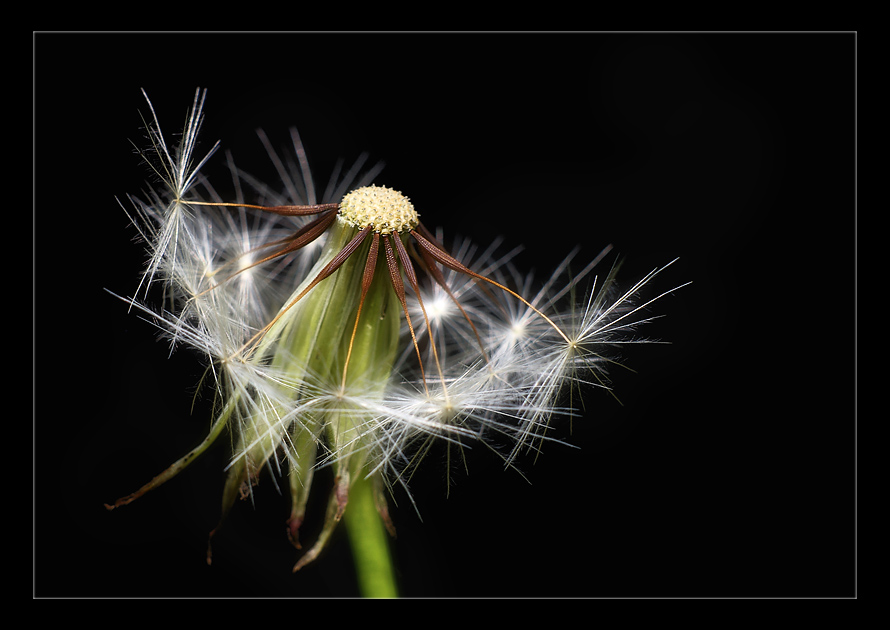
pixel 347 335
pixel 384 209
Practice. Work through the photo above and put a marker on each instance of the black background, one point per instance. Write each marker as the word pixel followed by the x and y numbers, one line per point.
pixel 729 470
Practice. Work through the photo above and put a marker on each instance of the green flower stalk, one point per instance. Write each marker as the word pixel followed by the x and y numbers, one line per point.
pixel 342 333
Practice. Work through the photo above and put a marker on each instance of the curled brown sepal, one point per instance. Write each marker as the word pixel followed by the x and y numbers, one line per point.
pixel 336 506
pixel 293 531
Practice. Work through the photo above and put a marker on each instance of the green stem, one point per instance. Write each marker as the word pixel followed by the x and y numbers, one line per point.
pixel 369 540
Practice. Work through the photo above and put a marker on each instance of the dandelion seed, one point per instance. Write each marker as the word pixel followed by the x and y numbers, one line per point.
pixel 343 333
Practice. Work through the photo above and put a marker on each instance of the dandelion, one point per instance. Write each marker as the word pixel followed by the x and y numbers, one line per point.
pixel 340 331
